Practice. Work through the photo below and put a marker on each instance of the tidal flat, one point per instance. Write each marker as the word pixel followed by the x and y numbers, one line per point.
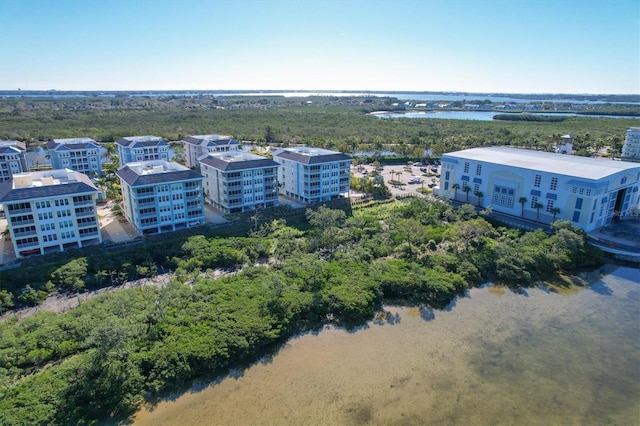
pixel 492 357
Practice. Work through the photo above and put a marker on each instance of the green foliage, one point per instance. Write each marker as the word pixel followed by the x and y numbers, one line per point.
pixel 70 276
pixel 101 359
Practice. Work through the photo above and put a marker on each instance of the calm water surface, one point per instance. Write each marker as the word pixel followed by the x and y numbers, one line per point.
pixel 493 357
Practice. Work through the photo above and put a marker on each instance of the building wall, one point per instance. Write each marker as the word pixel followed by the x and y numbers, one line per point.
pixel 241 190
pixel 42 225
pixel 12 163
pixel 138 154
pixel 312 183
pixel 631 148
pixel 587 204
pixel 85 161
pixel 164 207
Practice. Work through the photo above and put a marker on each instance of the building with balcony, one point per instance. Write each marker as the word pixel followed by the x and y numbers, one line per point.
pixel 50 211
pixel 542 186
pixel 134 149
pixel 631 147
pixel 161 196
pixel 12 159
pixel 313 175
pixel 239 181
pixel 199 145
pixel 80 154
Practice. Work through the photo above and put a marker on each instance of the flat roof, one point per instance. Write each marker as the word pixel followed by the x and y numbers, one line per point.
pixel 549 162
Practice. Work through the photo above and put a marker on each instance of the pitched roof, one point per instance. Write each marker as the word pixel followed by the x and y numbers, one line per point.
pixel 144 173
pixel 73 143
pixel 239 161
pixel 210 140
pixel 141 141
pixel 306 155
pixel 59 186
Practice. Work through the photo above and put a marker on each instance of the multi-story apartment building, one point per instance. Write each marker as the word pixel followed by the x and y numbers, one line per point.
pixel 161 196
pixel 239 181
pixel 134 149
pixel 200 145
pixel 313 175
pixel 631 147
pixel 80 154
pixel 542 186
pixel 12 159
pixel 50 211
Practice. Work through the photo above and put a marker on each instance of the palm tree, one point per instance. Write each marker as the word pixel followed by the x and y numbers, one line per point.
pixel 555 211
pixel 467 189
pixel 479 195
pixel 538 206
pixel 455 187
pixel 522 201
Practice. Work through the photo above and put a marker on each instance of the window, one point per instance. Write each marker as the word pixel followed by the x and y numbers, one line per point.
pixel 478 169
pixel 503 196
pixel 549 206
pixel 466 167
pixel 534 201
pixel 537 181
pixel 554 184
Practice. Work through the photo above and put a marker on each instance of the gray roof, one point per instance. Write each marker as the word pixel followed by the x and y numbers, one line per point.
pixel 311 156
pixel 82 185
pixel 132 178
pixel 11 142
pixel 219 162
pixel 141 141
pixel 210 140
pixel 560 164
pixel 10 150
pixel 75 143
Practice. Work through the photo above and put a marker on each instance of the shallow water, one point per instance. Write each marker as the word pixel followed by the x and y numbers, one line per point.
pixel 493 357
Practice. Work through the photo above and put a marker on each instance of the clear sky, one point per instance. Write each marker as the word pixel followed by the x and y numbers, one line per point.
pixel 509 46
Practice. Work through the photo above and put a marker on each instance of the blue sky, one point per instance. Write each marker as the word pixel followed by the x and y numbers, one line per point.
pixel 509 46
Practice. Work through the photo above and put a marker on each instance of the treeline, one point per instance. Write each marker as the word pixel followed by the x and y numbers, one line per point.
pixel 541 118
pixel 341 124
pixel 101 359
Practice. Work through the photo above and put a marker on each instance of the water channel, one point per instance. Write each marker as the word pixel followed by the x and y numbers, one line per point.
pixel 493 357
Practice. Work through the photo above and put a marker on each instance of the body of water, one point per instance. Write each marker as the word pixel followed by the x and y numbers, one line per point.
pixel 492 357
pixel 474 115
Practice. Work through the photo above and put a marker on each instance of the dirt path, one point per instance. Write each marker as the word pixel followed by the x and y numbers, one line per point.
pixel 63 302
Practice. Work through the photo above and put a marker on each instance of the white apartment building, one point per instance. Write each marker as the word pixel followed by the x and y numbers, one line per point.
pixel 50 211
pixel 80 154
pixel 631 147
pixel 238 181
pixel 161 196
pixel 313 175
pixel 199 145
pixel 542 186
pixel 134 149
pixel 12 159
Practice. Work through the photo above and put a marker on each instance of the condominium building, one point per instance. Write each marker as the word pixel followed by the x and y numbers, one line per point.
pixel 161 196
pixel 79 154
pixel 199 145
pixel 239 181
pixel 313 175
pixel 12 159
pixel 631 147
pixel 134 149
pixel 542 186
pixel 50 211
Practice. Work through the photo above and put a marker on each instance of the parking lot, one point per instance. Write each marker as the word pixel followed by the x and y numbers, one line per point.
pixel 412 177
